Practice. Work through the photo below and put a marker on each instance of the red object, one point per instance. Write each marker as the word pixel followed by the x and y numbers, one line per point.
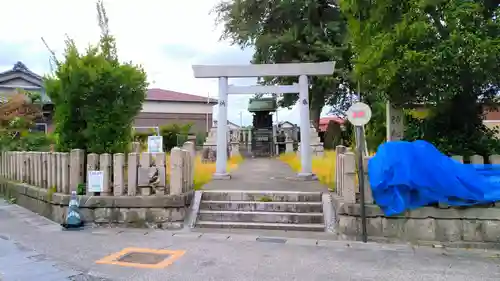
pixel 358 114
pixel 323 122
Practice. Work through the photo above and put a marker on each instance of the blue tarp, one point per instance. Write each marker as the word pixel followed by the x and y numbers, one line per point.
pixel 408 175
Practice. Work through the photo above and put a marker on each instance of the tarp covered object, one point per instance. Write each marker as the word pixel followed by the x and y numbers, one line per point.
pixel 407 175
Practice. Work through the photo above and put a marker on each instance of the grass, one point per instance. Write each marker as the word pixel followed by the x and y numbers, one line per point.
pixel 203 171
pixel 322 166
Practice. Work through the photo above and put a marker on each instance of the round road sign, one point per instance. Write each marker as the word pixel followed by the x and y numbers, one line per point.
pixel 359 114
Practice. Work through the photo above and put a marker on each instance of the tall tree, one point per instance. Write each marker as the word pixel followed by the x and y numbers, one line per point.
pixel 292 31
pixel 96 97
pixel 444 53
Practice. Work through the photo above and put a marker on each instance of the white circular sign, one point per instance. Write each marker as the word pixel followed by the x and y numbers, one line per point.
pixel 359 114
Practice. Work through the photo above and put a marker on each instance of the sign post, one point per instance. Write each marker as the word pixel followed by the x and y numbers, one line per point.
pixel 359 114
pixel 95 181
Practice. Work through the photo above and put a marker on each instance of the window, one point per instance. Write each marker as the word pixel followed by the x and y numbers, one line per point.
pixel 40 127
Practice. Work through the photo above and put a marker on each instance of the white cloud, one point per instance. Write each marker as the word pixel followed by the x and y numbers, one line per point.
pixel 165 36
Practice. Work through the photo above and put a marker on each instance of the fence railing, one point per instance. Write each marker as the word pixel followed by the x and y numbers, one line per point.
pixel 346 181
pixel 123 174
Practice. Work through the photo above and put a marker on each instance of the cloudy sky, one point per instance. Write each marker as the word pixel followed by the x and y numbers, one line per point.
pixel 165 36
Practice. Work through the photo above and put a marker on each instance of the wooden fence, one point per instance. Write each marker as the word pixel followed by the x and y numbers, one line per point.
pixel 346 182
pixel 123 174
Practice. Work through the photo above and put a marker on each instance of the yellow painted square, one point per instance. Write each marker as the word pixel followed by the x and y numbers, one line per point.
pixel 113 258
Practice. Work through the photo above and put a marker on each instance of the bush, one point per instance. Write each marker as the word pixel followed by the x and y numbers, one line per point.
pixel 200 138
pixel 96 97
pixel 174 134
pixel 333 135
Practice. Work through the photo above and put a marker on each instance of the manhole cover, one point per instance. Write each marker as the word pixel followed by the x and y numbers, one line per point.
pixel 143 258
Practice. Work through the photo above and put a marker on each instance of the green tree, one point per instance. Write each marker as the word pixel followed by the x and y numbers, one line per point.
pixel 292 31
pixel 443 53
pixel 96 97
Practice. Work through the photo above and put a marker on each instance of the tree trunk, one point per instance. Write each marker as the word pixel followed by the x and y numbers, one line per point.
pixel 314 114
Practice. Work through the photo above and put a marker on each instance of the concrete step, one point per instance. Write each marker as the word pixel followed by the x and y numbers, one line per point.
pixel 278 206
pixel 262 225
pixel 261 196
pixel 267 217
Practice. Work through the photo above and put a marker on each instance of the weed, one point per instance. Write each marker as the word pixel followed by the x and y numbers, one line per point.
pixel 265 199
pixel 322 166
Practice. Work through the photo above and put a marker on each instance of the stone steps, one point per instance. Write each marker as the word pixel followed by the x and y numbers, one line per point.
pixel 299 207
pixel 261 196
pixel 275 210
pixel 260 225
pixel 253 216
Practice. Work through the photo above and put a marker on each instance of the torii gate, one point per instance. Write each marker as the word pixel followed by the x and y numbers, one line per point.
pixel 223 72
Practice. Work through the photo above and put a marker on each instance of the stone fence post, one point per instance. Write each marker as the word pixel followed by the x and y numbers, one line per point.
pixel 77 169
pixel 367 188
pixel 338 173
pixel 190 147
pixel 176 180
pixel 118 174
pixel 185 169
pixel 348 187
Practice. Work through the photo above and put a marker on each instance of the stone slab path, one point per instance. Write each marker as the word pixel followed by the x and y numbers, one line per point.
pixel 264 174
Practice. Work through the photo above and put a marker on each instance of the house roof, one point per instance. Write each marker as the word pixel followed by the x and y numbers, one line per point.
pixel 21 71
pixel 324 121
pixel 156 94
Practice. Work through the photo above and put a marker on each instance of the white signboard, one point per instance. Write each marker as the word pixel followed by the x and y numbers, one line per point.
pixel 155 144
pixel 95 181
pixel 359 114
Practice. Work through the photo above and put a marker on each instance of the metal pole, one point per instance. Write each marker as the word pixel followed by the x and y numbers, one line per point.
pixel 361 179
pixel 208 102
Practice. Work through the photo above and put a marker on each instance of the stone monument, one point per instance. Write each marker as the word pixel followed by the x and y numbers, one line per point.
pixel 211 140
pixel 316 145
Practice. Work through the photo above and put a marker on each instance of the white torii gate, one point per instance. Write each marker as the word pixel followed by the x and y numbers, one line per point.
pixel 223 72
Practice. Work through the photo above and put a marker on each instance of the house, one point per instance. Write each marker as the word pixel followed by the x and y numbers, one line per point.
pixel 21 78
pixel 161 107
pixel 286 125
pixel 324 121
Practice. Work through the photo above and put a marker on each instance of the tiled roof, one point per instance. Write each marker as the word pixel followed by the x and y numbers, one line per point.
pixel 166 95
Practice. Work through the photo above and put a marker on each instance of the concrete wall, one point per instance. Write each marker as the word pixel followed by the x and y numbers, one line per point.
pixel 153 119
pixel 449 225
pixel 167 211
pixel 465 226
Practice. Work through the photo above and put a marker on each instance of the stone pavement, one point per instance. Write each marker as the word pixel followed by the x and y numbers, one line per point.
pixel 221 256
pixel 264 174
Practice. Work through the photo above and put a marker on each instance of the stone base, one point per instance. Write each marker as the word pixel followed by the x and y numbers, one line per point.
pixel 163 211
pixel 459 226
pixel 306 177
pixel 224 176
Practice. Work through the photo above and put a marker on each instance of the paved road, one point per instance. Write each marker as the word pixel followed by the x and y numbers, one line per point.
pixel 31 245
